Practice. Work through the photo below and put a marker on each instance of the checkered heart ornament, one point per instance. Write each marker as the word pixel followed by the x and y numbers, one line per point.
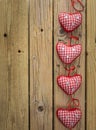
pixel 69 84
pixel 71 21
pixel 69 117
pixel 67 52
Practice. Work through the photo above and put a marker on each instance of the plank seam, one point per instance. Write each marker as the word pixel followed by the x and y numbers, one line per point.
pixel 53 64
pixel 86 65
pixel 28 64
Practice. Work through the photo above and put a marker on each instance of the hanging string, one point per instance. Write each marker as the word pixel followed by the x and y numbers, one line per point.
pixel 69 43
pixel 72 37
pixel 73 2
pixel 71 8
pixel 70 69
pixel 73 101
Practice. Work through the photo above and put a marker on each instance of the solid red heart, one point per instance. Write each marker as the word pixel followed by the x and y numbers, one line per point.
pixel 70 21
pixel 67 53
pixel 69 84
pixel 69 117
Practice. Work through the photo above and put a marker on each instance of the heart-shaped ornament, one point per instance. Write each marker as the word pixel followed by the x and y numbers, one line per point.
pixel 70 21
pixel 69 84
pixel 68 53
pixel 69 117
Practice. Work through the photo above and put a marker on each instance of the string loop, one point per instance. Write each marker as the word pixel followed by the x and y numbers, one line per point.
pixel 74 101
pixel 81 4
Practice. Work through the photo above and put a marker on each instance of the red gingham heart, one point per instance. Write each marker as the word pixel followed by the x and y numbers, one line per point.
pixel 67 53
pixel 69 117
pixel 69 22
pixel 69 84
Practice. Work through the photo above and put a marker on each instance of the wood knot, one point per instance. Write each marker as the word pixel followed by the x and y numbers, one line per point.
pixel 40 108
pixel 19 51
pixel 61 31
pixel 5 34
pixel 41 29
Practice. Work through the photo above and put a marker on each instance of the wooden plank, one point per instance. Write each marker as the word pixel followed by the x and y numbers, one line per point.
pixel 13 65
pixel 91 65
pixel 40 64
pixel 60 98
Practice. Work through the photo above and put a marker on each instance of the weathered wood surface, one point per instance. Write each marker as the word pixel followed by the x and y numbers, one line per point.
pixel 41 65
pixel 13 65
pixel 29 65
pixel 91 65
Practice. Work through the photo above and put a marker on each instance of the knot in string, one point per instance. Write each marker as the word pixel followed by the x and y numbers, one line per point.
pixel 70 69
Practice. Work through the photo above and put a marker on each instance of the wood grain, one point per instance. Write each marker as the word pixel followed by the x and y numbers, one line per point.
pixel 13 65
pixel 60 98
pixel 41 65
pixel 22 26
pixel 91 65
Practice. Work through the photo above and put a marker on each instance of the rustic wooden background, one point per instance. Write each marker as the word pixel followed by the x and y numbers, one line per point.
pixel 29 65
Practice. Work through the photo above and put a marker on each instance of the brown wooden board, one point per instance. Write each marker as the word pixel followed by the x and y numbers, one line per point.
pixel 41 65
pixel 91 65
pixel 13 65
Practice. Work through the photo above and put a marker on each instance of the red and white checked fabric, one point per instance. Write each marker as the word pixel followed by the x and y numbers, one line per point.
pixel 68 54
pixel 70 21
pixel 69 117
pixel 69 84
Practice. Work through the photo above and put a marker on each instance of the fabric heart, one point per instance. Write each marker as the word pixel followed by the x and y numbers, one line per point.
pixel 69 22
pixel 69 117
pixel 69 84
pixel 68 54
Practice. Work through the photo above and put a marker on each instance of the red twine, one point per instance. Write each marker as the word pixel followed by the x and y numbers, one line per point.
pixel 70 70
pixel 75 102
pixel 81 4
pixel 72 37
